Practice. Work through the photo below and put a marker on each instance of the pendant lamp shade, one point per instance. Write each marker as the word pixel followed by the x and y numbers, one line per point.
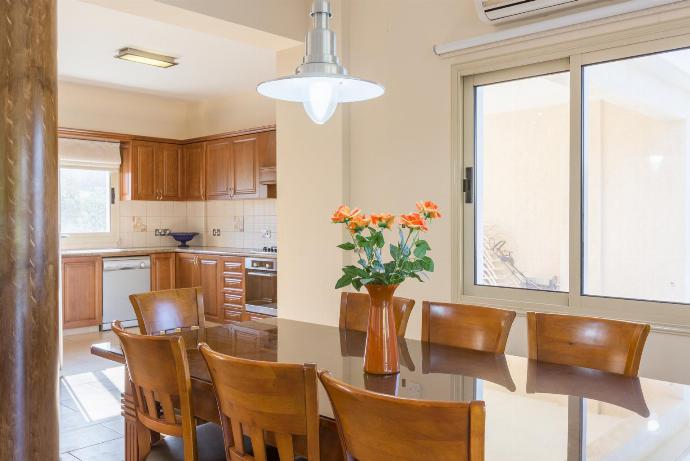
pixel 321 82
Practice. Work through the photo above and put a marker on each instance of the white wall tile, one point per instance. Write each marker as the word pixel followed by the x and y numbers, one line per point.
pixel 195 209
pixel 153 208
pixel 126 208
pixel 180 209
pixel 139 239
pixel 138 208
pixel 167 209
pixel 126 224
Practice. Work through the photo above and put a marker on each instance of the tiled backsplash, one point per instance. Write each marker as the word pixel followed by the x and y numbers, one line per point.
pixel 140 219
pixel 240 223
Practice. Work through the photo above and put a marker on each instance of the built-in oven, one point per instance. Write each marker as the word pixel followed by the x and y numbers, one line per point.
pixel 261 286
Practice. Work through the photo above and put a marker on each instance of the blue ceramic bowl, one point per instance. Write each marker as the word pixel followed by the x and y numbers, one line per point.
pixel 183 237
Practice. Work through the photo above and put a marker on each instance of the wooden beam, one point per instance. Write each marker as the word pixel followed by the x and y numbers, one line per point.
pixel 28 231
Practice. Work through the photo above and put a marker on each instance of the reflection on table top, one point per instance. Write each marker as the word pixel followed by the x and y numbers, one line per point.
pixel 535 411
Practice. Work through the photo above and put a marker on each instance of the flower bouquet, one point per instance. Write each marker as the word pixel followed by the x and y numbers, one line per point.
pixel 381 278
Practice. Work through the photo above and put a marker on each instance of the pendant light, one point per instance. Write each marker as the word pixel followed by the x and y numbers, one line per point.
pixel 321 82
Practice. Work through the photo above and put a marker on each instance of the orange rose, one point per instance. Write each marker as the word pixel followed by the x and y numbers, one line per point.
pixel 358 223
pixel 343 214
pixel 413 221
pixel 429 209
pixel 383 220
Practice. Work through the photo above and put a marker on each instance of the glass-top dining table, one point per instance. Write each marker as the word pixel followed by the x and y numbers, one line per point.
pixel 534 411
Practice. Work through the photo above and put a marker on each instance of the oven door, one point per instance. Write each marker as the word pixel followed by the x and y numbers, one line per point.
pixel 261 292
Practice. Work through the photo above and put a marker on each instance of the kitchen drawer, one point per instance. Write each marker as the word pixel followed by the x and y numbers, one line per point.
pixel 230 297
pixel 234 282
pixel 233 266
pixel 232 315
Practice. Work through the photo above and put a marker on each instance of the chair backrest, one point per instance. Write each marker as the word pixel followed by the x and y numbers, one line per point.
pixel 373 426
pixel 603 344
pixel 258 398
pixel 470 327
pixel 354 312
pixel 159 375
pixel 161 311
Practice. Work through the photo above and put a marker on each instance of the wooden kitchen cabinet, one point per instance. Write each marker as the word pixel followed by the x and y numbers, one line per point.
pixel 209 266
pixel 186 270
pixel 163 271
pixel 168 171
pixel 151 171
pixel 219 174
pixel 205 271
pixel 82 288
pixel 245 174
pixel 194 171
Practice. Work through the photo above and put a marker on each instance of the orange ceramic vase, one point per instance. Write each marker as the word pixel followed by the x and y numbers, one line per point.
pixel 381 351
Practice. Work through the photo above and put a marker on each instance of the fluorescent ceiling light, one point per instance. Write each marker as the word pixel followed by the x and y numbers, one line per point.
pixel 321 82
pixel 144 57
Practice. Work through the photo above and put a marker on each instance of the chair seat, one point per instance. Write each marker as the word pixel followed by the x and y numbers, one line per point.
pixel 210 446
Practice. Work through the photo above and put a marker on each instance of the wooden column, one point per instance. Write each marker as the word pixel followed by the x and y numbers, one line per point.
pixel 28 231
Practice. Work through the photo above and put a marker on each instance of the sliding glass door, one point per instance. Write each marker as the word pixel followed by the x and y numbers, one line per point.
pixel 576 192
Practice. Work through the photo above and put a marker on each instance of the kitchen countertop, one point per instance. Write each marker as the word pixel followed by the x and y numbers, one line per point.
pixel 119 252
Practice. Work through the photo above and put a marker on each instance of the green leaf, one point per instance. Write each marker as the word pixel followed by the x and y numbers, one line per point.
pixel 395 251
pixel 427 264
pixel 347 246
pixel 367 280
pixel 419 252
pixel 423 244
pixel 343 281
pixel 357 284
pixel 351 271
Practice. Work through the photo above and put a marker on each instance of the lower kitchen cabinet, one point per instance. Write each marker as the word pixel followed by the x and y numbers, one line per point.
pixel 208 272
pixel 209 266
pixel 162 271
pixel 186 270
pixel 82 286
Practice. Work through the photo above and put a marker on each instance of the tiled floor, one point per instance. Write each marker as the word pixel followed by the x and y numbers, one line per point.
pixel 91 427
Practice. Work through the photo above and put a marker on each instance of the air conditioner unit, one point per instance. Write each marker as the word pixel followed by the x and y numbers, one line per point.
pixel 495 11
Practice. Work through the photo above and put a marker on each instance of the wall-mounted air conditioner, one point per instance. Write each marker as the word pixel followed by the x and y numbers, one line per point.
pixel 508 10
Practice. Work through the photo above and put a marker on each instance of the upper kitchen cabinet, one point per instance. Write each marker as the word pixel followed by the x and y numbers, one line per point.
pixel 151 171
pixel 233 165
pixel 245 153
pixel 219 169
pixel 194 171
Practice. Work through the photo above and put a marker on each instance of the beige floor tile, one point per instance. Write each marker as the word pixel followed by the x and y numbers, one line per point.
pixel 74 439
pixel 113 450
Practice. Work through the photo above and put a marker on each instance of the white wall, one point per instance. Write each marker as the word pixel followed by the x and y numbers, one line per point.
pixel 396 150
pixel 98 108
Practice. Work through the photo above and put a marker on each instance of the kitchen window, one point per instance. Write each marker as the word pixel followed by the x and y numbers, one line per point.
pixel 574 186
pixel 88 192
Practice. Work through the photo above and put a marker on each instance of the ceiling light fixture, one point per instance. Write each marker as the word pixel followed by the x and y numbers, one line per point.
pixel 144 57
pixel 321 82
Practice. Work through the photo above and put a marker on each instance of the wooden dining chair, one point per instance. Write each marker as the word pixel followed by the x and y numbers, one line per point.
pixel 471 327
pixel 264 402
pixel 354 312
pixel 166 310
pixel 159 376
pixel 603 344
pixel 374 427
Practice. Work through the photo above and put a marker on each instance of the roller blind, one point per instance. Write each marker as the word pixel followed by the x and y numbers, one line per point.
pixel 89 154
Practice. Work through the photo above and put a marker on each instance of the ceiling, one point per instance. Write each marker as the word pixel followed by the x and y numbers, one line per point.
pixel 210 65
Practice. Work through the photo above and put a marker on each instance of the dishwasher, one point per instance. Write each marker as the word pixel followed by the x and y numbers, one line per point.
pixel 123 277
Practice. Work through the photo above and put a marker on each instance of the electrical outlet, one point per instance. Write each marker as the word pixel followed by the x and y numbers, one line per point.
pixel 165 231
pixel 216 232
pixel 157 232
pixel 266 233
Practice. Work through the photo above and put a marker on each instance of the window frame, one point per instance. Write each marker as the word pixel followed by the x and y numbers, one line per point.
pixel 665 316
pixel 96 239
